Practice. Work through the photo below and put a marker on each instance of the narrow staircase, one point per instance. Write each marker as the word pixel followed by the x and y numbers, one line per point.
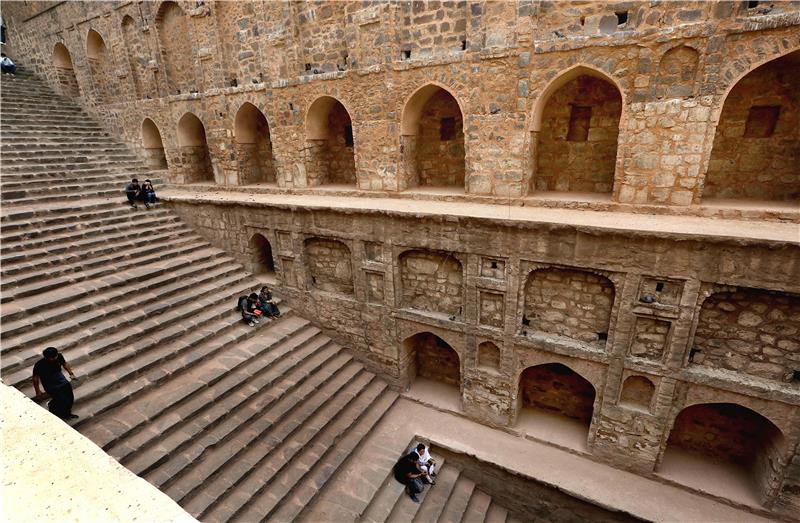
pixel 227 419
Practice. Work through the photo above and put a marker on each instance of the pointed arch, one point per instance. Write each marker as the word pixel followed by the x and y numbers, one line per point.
pixel 100 65
pixel 574 132
pixel 330 143
pixel 65 72
pixel 194 153
pixel 253 145
pixel 756 146
pixel 432 139
pixel 177 53
pixel 133 53
pixel 429 356
pixel 153 145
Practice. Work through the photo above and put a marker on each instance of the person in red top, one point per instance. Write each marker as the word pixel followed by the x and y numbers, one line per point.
pixel 47 373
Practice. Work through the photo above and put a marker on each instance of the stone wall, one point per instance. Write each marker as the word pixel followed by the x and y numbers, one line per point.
pixel 176 53
pixel 569 302
pixel 435 359
pixel 322 35
pixel 650 337
pixel 340 158
pixel 196 164
pixel 750 331
pixel 577 144
pixel 432 28
pixel 757 143
pixel 432 282
pixel 329 265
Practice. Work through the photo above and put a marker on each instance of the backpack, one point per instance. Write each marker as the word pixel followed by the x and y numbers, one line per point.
pixel 241 303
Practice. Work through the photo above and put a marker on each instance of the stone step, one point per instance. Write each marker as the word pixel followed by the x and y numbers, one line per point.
pixel 88 221
pixel 431 507
pixel 132 223
pixel 49 158
pixel 205 395
pixel 325 471
pixel 79 264
pixel 80 245
pixel 22 350
pixel 456 506
pixel 29 283
pixel 257 496
pixel 496 513
pixel 44 198
pixel 24 218
pixel 478 507
pixel 33 143
pixel 25 184
pixel 61 192
pixel 34 110
pixel 51 134
pixel 200 461
pixel 19 169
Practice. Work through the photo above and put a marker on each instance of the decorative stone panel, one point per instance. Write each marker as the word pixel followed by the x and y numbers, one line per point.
pixel 329 265
pixel 491 308
pixel 431 281
pixel 650 338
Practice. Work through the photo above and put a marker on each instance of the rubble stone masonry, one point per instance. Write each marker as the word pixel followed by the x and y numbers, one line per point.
pixel 685 108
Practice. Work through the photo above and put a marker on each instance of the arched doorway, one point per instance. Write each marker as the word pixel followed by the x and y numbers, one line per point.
pixel 153 146
pixel 100 66
pixel 756 151
pixel 555 404
pixel 62 62
pixel 725 449
pixel 432 140
pixel 574 136
pixel 194 154
pixel 330 144
pixel 433 370
pixel 261 261
pixel 133 53
pixel 177 52
pixel 253 146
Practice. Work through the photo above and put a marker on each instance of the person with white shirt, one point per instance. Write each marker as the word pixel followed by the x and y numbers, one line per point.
pixel 426 463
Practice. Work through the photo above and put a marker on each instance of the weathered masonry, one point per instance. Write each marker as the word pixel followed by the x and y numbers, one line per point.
pixel 635 301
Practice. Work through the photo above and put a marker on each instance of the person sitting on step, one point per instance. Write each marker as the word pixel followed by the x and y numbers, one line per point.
pixel 426 463
pixel 47 373
pixel 7 65
pixel 148 194
pixel 407 472
pixel 133 192
pixel 267 304
pixel 249 308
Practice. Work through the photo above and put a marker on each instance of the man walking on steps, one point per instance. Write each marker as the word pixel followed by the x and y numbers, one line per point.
pixel 47 373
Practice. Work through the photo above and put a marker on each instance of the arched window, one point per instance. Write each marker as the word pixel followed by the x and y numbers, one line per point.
pixel 330 144
pixel 153 146
pixel 488 355
pixel 100 65
pixel 737 449
pixel 574 134
pixel 62 62
pixel 756 151
pixel 194 154
pixel 432 141
pixel 253 146
pixel 329 265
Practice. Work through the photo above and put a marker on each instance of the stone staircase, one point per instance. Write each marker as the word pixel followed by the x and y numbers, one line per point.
pixel 229 420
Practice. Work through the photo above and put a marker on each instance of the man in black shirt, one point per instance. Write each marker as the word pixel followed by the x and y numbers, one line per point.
pixel 408 473
pixel 47 372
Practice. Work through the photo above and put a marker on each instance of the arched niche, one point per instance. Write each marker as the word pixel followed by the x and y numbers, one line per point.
pixel 555 403
pixel 569 302
pixel 430 357
pixel 194 153
pixel 134 53
pixel 330 144
pixel 574 133
pixel 100 66
pixel 740 451
pixel 176 52
pixel 489 356
pixel 329 265
pixel 432 140
pixel 676 73
pixel 749 331
pixel 261 260
pixel 153 145
pixel 62 62
pixel 432 281
pixel 756 150
pixel 637 393
pixel 253 146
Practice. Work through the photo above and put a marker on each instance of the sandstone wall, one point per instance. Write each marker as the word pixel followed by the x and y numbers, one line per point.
pixel 675 65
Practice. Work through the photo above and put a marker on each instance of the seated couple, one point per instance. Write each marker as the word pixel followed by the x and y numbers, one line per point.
pixel 414 470
pixel 259 305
